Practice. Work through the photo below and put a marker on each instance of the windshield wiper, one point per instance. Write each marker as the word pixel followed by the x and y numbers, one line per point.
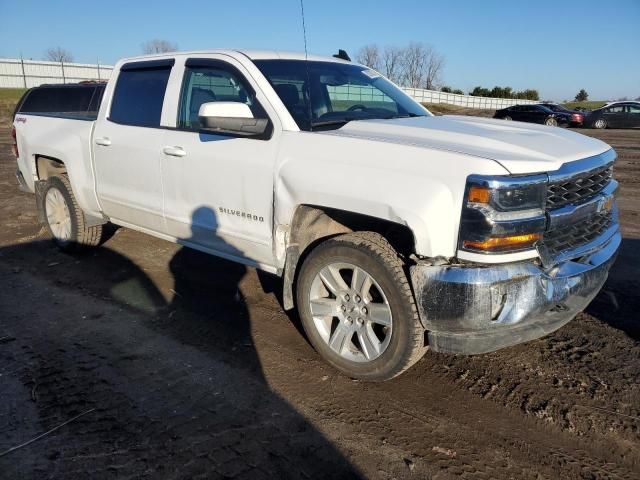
pixel 343 121
pixel 325 123
pixel 404 115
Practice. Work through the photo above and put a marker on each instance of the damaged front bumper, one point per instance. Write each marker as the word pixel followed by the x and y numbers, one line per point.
pixel 478 309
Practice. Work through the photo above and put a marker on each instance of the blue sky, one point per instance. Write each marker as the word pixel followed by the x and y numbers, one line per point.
pixel 555 46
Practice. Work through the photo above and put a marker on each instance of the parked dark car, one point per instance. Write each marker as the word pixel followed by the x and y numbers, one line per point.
pixel 534 114
pixel 576 119
pixel 615 115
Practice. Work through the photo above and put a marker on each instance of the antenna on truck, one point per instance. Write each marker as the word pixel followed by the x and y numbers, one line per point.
pixel 306 63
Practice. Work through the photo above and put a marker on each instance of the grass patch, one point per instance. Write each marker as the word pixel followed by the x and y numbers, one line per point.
pixel 8 99
pixel 11 94
pixel 447 109
pixel 590 105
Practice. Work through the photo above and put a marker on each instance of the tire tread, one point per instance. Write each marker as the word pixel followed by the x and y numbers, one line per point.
pixel 378 247
pixel 85 236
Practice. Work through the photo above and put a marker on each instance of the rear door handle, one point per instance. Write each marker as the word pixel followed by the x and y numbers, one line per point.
pixel 104 141
pixel 174 151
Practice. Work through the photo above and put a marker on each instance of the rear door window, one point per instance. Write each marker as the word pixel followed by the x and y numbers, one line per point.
pixel 139 93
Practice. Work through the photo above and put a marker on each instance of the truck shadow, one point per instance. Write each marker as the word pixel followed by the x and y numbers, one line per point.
pixel 618 303
pixel 198 420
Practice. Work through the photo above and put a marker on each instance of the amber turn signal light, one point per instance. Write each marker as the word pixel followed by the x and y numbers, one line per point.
pixel 479 194
pixel 503 243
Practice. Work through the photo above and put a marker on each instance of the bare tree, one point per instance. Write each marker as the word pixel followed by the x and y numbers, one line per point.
pixel 414 65
pixel 58 54
pixel 434 65
pixel 418 65
pixel 369 55
pixel 392 63
pixel 422 66
pixel 158 46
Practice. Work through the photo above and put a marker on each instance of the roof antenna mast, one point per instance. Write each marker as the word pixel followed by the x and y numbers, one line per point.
pixel 306 61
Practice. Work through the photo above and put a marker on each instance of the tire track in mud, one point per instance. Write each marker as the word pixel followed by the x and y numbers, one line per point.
pixel 446 416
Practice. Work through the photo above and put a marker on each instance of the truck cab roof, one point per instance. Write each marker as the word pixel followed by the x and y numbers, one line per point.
pixel 249 53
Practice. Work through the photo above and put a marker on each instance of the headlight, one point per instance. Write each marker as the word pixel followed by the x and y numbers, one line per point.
pixel 503 214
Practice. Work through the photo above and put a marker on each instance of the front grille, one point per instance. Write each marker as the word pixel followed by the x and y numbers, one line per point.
pixel 579 188
pixel 570 237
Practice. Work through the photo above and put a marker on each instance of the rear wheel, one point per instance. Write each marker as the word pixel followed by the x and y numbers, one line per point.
pixel 508 118
pixel 600 123
pixel 552 122
pixel 64 219
pixel 357 308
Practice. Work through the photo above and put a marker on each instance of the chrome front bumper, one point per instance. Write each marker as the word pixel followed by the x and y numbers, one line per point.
pixel 478 309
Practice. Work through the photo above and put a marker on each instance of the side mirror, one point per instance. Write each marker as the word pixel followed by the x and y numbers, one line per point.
pixel 230 117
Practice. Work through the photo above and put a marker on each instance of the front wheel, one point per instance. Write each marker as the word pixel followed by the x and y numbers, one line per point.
pixel 357 307
pixel 64 218
pixel 551 122
pixel 508 118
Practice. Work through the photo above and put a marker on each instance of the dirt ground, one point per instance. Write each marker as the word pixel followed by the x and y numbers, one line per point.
pixel 185 366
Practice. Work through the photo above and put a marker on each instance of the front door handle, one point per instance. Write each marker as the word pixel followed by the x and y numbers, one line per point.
pixel 104 141
pixel 174 151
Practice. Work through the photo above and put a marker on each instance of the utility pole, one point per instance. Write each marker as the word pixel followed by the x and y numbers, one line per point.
pixel 24 77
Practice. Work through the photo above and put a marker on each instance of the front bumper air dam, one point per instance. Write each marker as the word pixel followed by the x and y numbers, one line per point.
pixel 477 309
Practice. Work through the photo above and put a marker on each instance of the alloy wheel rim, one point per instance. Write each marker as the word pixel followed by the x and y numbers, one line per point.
pixel 350 312
pixel 58 214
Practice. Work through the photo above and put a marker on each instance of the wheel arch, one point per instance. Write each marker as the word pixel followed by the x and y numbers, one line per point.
pixel 48 166
pixel 312 224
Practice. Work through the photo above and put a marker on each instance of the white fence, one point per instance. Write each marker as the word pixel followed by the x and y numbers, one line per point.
pixel 433 96
pixel 17 73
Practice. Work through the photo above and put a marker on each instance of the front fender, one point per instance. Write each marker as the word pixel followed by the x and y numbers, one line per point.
pixel 409 185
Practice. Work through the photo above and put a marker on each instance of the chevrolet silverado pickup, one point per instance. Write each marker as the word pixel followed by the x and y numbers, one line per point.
pixel 394 231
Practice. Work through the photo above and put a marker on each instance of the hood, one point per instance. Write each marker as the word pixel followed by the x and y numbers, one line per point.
pixel 519 147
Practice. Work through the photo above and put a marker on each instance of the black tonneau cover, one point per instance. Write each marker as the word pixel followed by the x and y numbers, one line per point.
pixel 79 101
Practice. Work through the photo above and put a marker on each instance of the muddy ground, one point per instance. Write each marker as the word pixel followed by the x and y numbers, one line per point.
pixel 185 366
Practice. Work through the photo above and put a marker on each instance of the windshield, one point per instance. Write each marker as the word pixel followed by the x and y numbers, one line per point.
pixel 329 94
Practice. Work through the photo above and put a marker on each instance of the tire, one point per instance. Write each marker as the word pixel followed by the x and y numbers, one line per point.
pixel 551 122
pixel 508 118
pixel 64 218
pixel 344 328
pixel 600 124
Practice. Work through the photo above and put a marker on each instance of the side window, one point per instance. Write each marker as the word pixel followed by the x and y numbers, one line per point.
pixel 616 109
pixel 635 109
pixel 212 83
pixel 139 94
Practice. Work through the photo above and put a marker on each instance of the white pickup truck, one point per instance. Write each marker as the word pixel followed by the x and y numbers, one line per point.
pixel 394 231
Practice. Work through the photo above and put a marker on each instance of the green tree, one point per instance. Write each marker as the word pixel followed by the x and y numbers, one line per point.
pixel 480 92
pixel 446 89
pixel 530 94
pixel 582 96
pixel 457 91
